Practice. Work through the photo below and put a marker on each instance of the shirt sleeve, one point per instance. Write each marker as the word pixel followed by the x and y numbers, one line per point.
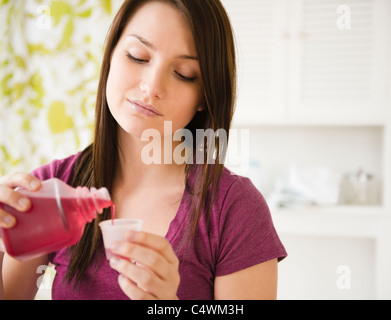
pixel 61 169
pixel 247 233
pixel 45 172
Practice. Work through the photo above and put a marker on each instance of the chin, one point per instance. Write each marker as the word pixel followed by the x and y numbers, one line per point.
pixel 137 127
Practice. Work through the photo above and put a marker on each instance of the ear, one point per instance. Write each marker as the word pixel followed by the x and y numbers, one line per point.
pixel 201 108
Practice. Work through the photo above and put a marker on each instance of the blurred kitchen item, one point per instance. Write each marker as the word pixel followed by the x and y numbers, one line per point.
pixel 306 186
pixel 254 173
pixel 358 188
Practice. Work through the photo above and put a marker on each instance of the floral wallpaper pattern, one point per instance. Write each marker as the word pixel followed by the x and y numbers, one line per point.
pixel 50 56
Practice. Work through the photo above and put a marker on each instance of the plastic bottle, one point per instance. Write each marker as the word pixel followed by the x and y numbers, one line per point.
pixel 56 219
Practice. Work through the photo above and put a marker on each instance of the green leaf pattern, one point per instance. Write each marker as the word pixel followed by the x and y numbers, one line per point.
pixel 50 56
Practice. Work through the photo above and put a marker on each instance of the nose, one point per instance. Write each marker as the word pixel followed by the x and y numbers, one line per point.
pixel 153 83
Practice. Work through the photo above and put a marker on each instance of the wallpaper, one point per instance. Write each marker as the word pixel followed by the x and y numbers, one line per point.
pixel 50 56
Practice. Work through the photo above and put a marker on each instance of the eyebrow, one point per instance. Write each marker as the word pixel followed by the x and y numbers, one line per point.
pixel 151 46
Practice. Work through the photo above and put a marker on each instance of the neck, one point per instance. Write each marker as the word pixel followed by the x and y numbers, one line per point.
pixel 137 168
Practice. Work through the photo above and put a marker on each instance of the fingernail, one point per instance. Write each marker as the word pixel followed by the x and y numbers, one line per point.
pixel 34 184
pixel 23 203
pixel 114 261
pixel 9 221
pixel 121 279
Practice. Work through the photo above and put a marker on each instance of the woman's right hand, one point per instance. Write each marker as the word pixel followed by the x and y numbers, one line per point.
pixel 13 198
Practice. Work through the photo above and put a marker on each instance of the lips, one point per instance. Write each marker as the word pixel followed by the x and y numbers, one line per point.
pixel 144 108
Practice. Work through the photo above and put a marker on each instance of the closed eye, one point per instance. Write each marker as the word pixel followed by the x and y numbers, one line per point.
pixel 183 78
pixel 134 59
pixel 142 61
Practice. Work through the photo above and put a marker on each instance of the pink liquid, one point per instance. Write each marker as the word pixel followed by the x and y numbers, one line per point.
pixel 42 230
pixel 112 213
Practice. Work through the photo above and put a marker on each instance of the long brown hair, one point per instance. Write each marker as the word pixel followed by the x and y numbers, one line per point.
pixel 98 163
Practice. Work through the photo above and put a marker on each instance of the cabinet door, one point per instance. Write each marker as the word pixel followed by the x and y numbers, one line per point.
pixel 338 59
pixel 260 31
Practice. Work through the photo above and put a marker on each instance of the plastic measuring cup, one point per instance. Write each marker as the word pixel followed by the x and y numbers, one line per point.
pixel 115 230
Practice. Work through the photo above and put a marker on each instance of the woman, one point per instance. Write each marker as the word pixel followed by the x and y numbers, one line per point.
pixel 207 233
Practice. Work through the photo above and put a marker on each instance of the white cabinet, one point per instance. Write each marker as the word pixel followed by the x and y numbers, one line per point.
pixel 262 58
pixel 300 63
pixel 337 59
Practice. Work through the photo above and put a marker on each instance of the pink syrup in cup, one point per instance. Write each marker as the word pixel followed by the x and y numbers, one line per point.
pixel 112 214
pixel 56 219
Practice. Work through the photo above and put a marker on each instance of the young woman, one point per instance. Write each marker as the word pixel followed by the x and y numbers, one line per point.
pixel 207 232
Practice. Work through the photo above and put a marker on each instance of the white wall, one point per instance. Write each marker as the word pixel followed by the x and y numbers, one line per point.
pixel 311 270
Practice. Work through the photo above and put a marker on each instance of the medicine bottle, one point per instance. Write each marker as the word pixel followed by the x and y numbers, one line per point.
pixel 56 219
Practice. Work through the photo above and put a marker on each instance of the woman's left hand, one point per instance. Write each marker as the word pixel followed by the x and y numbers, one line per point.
pixel 155 274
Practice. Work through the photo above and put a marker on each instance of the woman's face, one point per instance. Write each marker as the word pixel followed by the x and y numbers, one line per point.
pixel 154 75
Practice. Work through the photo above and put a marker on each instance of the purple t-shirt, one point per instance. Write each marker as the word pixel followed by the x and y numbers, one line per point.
pixel 241 235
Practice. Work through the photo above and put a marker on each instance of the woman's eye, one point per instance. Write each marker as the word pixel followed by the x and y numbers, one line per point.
pixel 134 59
pixel 180 76
pixel 186 79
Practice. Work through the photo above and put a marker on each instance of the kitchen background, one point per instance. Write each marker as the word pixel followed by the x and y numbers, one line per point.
pixel 314 93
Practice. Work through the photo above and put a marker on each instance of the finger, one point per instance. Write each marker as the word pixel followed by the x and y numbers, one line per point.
pixel 21 179
pixel 143 278
pixel 7 221
pixel 149 258
pixel 154 242
pixel 14 199
pixel 132 291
